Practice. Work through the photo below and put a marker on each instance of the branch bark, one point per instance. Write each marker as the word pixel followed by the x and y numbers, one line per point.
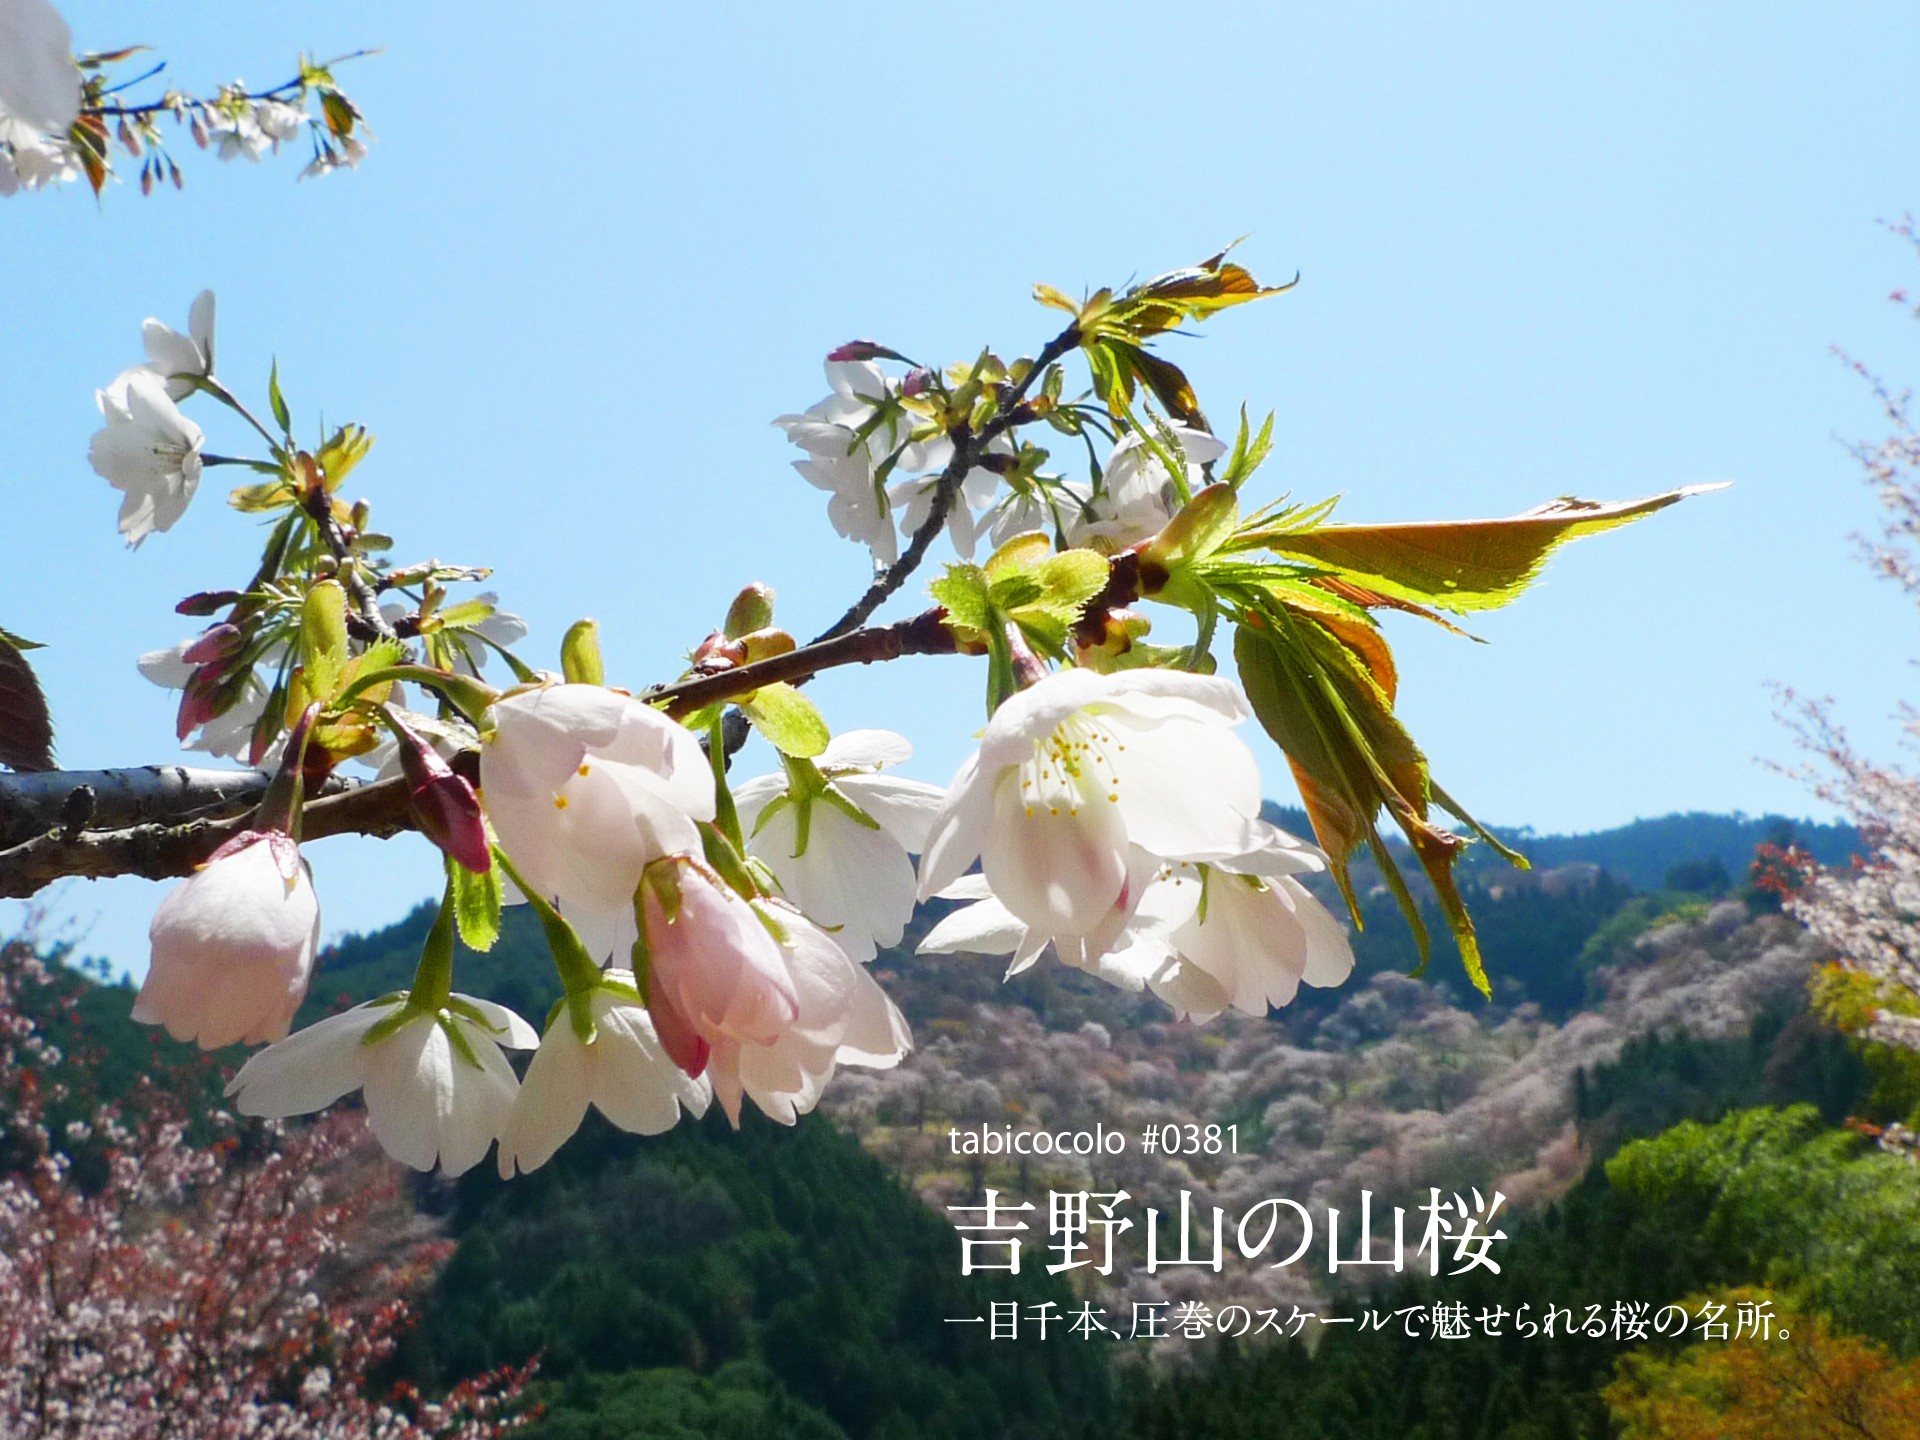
pixel 924 634
pixel 168 841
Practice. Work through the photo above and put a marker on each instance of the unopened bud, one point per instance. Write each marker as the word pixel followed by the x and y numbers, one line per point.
pixel 444 805
pixel 863 350
pixel 199 700
pixel 767 643
pixel 219 644
pixel 918 381
pixel 206 602
pixel 752 609
pixel 580 659
pixel 719 652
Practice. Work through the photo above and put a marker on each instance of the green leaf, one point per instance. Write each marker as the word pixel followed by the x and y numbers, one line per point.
pixel 1248 451
pixel 1464 565
pixel 344 449
pixel 1325 704
pixel 339 112
pixel 323 637
pixel 464 616
pixel 1021 553
pixel 1204 524
pixel 963 591
pixel 26 725
pixel 1068 581
pixel 1195 293
pixel 255 499
pixel 752 609
pixel 791 722
pixel 476 905
pixel 277 400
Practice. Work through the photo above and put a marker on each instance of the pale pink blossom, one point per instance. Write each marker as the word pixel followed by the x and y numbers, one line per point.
pixel 715 971
pixel 586 787
pixel 233 945
pixel 1084 785
pixel 841 1017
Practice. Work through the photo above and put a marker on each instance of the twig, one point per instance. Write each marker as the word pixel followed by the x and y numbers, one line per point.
pixel 967 450
pixel 924 634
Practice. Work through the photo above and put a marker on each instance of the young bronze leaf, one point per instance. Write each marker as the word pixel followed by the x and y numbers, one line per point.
pixel 1191 294
pixel 1463 565
pixel 26 727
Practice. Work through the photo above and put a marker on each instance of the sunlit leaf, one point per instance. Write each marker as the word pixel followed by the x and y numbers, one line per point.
pixel 1464 565
pixel 476 904
pixel 790 721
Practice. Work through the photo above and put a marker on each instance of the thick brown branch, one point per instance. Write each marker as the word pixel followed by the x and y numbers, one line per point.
pixel 924 634
pixel 158 850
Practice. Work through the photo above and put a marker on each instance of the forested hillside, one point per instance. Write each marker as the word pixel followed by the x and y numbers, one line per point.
pixel 797 1283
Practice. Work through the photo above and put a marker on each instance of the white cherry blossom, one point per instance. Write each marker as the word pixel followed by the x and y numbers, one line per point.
pixel 1137 497
pixel 1058 506
pixel 31 161
pixel 233 945
pixel 39 83
pixel 913 499
pixel 841 463
pixel 171 354
pixel 623 1072
pixel 237 134
pixel 585 787
pixel 149 450
pixel 857 507
pixel 1254 939
pixel 1084 784
pixel 852 873
pixel 436 1085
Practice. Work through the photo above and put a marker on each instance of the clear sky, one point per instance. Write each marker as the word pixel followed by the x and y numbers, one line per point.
pixel 1588 249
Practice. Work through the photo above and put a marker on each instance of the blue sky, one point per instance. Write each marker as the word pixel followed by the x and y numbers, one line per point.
pixel 1599 250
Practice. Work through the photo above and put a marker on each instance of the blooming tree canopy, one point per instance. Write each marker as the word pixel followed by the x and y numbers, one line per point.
pixel 64 116
pixel 1130 604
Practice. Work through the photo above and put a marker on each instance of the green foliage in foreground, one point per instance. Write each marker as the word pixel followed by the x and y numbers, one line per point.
pixel 1810 1211
pixel 1762 1195
pixel 774 1283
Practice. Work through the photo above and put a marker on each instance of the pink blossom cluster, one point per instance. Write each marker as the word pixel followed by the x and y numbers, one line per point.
pixel 183 1290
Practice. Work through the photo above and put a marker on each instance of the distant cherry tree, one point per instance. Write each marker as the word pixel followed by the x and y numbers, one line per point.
pixel 154 1287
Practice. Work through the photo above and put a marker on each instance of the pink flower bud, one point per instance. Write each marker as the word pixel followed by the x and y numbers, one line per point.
pixel 199 700
pixel 443 804
pixel 717 973
pixel 233 945
pixel 205 602
pixel 217 645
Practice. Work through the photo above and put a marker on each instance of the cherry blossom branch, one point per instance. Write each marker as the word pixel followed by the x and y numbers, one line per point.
pixel 968 447
pixel 167 102
pixel 924 634
pixel 365 602
pixel 163 848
